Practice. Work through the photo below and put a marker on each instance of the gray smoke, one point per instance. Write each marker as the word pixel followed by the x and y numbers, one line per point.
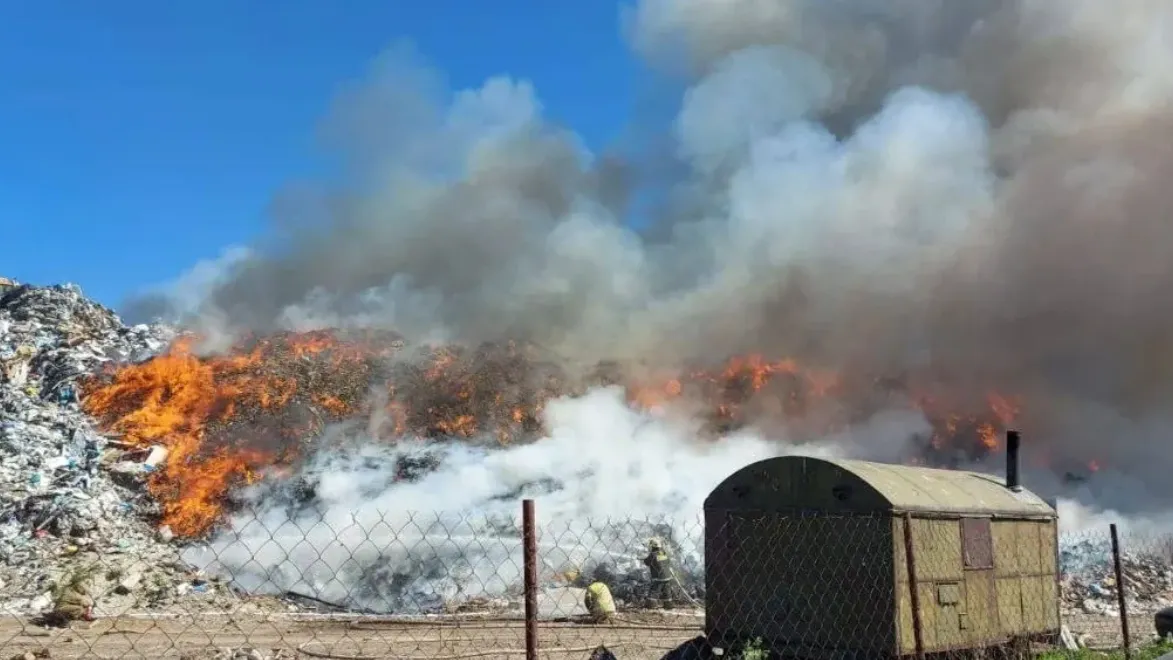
pixel 973 190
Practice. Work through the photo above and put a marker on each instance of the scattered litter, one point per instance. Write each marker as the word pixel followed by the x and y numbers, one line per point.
pixel 1089 579
pixel 73 510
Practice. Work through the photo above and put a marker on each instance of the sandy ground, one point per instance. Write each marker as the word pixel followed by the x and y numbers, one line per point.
pixel 645 636
pixel 649 636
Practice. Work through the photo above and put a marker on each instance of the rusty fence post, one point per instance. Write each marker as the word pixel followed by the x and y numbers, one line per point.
pixel 1120 600
pixel 530 563
pixel 913 588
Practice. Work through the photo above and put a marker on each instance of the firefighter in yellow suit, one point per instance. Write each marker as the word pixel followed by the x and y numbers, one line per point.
pixel 599 603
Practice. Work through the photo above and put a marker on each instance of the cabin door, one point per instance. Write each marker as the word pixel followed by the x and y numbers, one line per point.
pixel 979 612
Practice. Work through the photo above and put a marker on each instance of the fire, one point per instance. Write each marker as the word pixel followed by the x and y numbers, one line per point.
pixel 333 404
pixel 189 404
pixel 650 396
pixel 975 432
pixel 730 387
pixel 231 420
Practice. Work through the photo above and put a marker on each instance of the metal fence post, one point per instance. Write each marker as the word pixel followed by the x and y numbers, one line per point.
pixel 913 588
pixel 530 564
pixel 1120 592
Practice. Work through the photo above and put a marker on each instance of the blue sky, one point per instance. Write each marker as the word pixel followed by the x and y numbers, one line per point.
pixel 138 137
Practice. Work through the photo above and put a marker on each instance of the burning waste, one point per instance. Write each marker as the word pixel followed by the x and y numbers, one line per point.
pixel 355 469
pixel 316 456
pixel 66 518
pixel 887 233
pixel 230 420
pixel 259 440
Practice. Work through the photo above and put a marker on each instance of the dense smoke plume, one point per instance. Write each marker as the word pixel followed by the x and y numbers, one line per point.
pixel 605 476
pixel 973 191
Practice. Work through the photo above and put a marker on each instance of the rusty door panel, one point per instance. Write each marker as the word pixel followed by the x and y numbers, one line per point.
pixel 977 545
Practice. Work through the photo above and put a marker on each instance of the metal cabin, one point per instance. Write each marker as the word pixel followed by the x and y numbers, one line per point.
pixel 810 556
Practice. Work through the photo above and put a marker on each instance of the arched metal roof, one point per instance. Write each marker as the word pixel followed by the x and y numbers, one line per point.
pixel 845 486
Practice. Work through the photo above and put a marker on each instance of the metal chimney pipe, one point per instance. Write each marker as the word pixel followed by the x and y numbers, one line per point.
pixel 1012 480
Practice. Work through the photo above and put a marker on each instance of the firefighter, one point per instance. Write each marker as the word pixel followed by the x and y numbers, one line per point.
pixel 599 603
pixel 660 569
pixel 73 604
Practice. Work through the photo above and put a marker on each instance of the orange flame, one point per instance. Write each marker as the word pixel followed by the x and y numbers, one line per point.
pixel 178 399
pixel 230 420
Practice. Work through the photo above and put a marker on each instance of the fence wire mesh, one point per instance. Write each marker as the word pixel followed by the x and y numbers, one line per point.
pixel 453 586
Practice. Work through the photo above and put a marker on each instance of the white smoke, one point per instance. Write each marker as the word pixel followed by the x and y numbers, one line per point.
pixel 1088 513
pixel 605 478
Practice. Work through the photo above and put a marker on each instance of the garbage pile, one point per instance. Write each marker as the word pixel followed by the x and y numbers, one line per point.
pixel 96 493
pixel 1089 582
pixel 74 516
pixel 259 406
pixel 86 495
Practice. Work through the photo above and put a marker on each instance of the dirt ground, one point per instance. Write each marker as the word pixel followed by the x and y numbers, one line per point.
pixel 199 638
pixel 645 636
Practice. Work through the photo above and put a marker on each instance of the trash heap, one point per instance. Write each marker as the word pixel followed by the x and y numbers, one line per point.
pixel 1089 580
pixel 72 510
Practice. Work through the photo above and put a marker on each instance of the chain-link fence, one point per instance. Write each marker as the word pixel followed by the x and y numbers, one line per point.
pixel 738 584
